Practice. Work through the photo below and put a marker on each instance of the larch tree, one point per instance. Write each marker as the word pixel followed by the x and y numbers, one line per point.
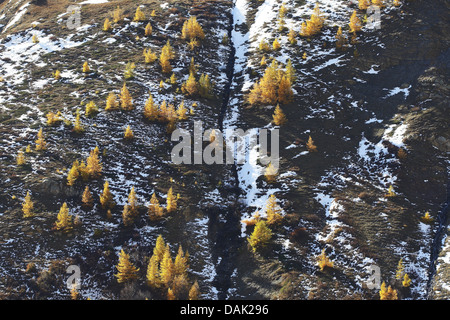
pixel 106 197
pixel 285 93
pixel 126 102
pixel 355 23
pixel 149 56
pixel 93 164
pixel 310 145
pixel 126 270
pixel 171 201
pixel 182 111
pixel 160 248
pixel 133 200
pixel 387 293
pixel 155 211
pixel 27 206
pixel 164 61
pixel 167 267
pixel 148 30
pixel 128 134
pixel 400 270
pixel 153 277
pixel 139 15
pixel 363 4
pixel 192 30
pixel 181 263
pixel 86 67
pixel 20 158
pixel 323 261
pixel 194 292
pixel 118 15
pixel 78 126
pixel 74 173
pixel 111 102
pixel 314 24
pixel 276 44
pixel 292 36
pixel 273 211
pixel 290 72
pixel 190 87
pixel 91 109
pixel 341 39
pixel 406 281
pixel 87 199
pixel 151 112
pixel 279 118
pixel 107 25
pixel 127 215
pixel 260 236
pixel 41 144
pixel 64 219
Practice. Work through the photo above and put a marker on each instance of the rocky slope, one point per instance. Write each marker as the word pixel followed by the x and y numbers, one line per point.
pixel 387 91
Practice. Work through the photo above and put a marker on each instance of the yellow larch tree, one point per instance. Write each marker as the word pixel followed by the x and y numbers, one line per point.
pixel 310 145
pixel 78 126
pixel 314 24
pixel 171 201
pixel 273 211
pixel 74 173
pixel 363 4
pixel 378 3
pixel 106 197
pixel 190 87
pixel 27 206
pixel 148 30
pixel 107 25
pixel 279 118
pixel 166 267
pixel 192 29
pixel 387 293
pixel 276 44
pixel 292 36
pixel 406 281
pixel 86 67
pixel 126 102
pixel 182 111
pixel 87 199
pixel 323 261
pixel 153 277
pixel 194 292
pixel 400 270
pixel 126 270
pixel 205 86
pixel 128 134
pixel 139 15
pixel 285 93
pixel 149 56
pixel 91 109
pixel 181 264
pixel 341 39
pixel 111 102
pixel 260 236
pixel 127 215
pixel 93 164
pixel 164 61
pixel 118 15
pixel 155 211
pixel 41 144
pixel 20 158
pixel 151 109
pixel 64 219
pixel 355 23
pixel 290 72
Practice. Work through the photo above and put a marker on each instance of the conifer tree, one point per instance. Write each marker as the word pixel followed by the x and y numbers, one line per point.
pixel 181 262
pixel 149 56
pixel 378 3
pixel 106 197
pixel 314 24
pixel 91 109
pixel 151 109
pixel 285 93
pixel 270 173
pixel 167 267
pixel 192 29
pixel 427 218
pixel 133 201
pixel 78 127
pixel 73 173
pixel 27 206
pixel 170 294
pixel 387 294
pixel 127 215
pixel 93 165
pixel 194 292
pixel 173 79
pixel 35 38
pixel 278 116
pixel 155 211
pixel 290 72
pixel 204 86
pixel 406 281
pixel 126 270
pixel 111 102
pixel 171 201
pixel 20 158
pixel 292 36
pixel 139 15
pixel 107 25
pixel 264 46
pixel 128 134
pixel 310 145
pixel 391 192
pixel 126 102
pixel 182 111
pixel 273 211
pixel 276 45
pixel 341 40
pixel 64 219
pixel 53 118
pixel 323 261
pixel 41 144
pixel 118 15
pixel 129 71
pixel 363 4
pixel 164 61
pixel 263 61
pixel 355 23
pixel 190 87
pixel 86 67
pixel 87 199
pixel 84 174
pixel 400 270
pixel 153 277
pixel 261 235
pixel 148 30
pixel 57 75
pixel 159 249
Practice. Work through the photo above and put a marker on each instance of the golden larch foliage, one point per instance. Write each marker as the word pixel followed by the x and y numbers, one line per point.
pixel 139 15
pixel 341 40
pixel 107 25
pixel 106 197
pixel 324 262
pixel 260 236
pixel 73 174
pixel 78 126
pixel 310 145
pixel 148 30
pixel 64 219
pixel 93 164
pixel 355 23
pixel 86 67
pixel 126 270
pixel 406 281
pixel 363 4
pixel 151 109
pixel 20 158
pixel 128 134
pixel 155 211
pixel 126 102
pixel 41 144
pixel 111 102
pixel 87 199
pixel 171 201
pixel 387 293
pixel 149 56
pixel 192 30
pixel 194 292
pixel 166 267
pixel 27 206
pixel 276 45
pixel 118 15
pixel 273 211
pixel 314 24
